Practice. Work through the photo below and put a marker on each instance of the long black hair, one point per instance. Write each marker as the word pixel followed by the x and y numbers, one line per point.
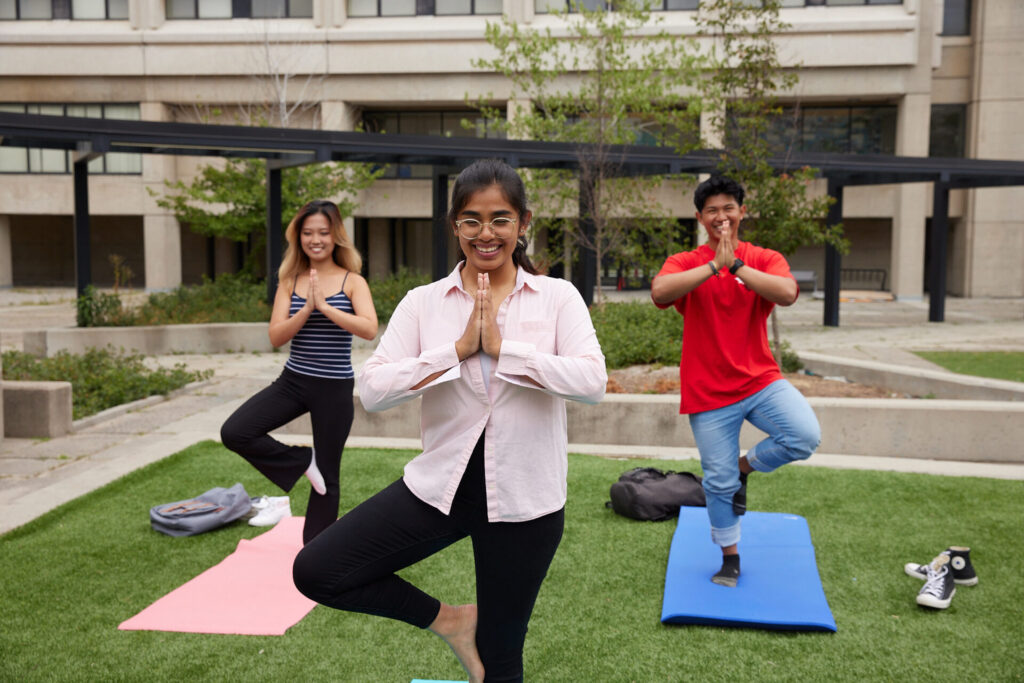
pixel 481 175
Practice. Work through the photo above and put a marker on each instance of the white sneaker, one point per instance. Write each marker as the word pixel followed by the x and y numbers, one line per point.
pixel 276 509
pixel 258 504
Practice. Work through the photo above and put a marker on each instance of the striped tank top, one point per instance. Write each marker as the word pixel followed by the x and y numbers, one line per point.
pixel 321 348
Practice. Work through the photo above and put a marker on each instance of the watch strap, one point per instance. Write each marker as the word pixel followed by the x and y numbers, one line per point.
pixel 736 265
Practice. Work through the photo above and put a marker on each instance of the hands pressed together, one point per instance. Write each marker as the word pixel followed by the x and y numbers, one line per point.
pixel 482 327
pixel 725 254
pixel 315 296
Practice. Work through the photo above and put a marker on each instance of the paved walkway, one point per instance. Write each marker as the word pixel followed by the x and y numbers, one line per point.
pixel 38 475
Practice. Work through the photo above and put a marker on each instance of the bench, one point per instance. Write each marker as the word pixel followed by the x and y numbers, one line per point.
pixel 806 277
pixel 35 410
pixel 863 278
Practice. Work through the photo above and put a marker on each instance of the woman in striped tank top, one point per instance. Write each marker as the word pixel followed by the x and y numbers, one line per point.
pixel 321 302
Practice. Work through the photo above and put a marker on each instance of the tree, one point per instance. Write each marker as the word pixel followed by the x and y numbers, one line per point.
pixel 229 199
pixel 741 89
pixel 608 81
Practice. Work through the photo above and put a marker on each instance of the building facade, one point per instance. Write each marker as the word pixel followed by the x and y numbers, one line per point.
pixel 910 77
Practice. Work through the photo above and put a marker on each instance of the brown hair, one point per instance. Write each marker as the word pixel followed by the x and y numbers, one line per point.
pixel 295 260
pixel 481 175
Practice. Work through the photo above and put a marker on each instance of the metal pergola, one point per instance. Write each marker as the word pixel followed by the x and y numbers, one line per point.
pixel 89 138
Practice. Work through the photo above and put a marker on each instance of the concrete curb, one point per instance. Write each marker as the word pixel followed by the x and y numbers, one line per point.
pixel 914 381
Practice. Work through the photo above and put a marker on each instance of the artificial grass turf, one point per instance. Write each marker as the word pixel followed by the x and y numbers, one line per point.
pixel 70 577
pixel 1008 365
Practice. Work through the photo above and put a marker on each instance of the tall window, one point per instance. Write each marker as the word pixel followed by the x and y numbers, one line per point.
pixel 63 9
pixel 412 8
pixel 546 6
pixel 445 123
pixel 239 9
pixel 948 134
pixel 31 160
pixel 956 18
pixel 844 130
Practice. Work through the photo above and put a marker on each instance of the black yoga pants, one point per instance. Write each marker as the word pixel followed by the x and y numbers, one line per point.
pixel 329 404
pixel 351 566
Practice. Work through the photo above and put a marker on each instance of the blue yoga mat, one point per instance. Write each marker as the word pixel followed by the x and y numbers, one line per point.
pixel 778 588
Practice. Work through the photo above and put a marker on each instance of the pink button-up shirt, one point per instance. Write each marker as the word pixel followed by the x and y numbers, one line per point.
pixel 547 337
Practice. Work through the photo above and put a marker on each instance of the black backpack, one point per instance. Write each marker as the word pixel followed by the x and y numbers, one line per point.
pixel 647 493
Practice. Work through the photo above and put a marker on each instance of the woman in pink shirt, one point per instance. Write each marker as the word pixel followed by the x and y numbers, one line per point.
pixel 494 349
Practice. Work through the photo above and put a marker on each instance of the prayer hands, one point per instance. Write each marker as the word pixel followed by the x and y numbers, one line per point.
pixel 315 294
pixel 725 253
pixel 482 327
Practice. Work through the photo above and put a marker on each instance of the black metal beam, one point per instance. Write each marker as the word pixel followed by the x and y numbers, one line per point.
pixel 275 234
pixel 833 259
pixel 439 195
pixel 939 239
pixel 586 270
pixel 83 252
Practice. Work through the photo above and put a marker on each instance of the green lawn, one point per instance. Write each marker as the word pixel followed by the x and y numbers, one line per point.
pixel 1007 365
pixel 70 577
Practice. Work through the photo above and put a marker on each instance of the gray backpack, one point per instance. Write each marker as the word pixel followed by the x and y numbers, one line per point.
pixel 209 510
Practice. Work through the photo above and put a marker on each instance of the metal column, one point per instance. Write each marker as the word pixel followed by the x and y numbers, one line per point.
pixel 439 193
pixel 585 276
pixel 939 238
pixel 83 253
pixel 833 259
pixel 275 235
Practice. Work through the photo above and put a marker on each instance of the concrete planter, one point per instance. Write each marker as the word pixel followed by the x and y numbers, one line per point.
pixel 152 339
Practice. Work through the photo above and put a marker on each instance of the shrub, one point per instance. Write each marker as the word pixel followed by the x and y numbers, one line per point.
pixel 789 361
pixel 100 378
pixel 637 333
pixel 96 309
pixel 387 292
pixel 228 299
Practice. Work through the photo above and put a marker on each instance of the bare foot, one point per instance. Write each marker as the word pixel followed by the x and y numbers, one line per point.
pixel 456 625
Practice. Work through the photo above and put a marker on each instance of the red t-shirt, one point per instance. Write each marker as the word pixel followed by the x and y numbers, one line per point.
pixel 726 356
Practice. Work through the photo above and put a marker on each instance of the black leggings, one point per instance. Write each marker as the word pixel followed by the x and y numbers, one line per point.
pixel 351 566
pixel 329 404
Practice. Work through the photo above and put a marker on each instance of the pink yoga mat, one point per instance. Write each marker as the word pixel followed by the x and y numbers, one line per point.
pixel 249 593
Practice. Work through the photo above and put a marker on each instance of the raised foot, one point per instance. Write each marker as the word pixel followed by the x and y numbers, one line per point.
pixel 456 625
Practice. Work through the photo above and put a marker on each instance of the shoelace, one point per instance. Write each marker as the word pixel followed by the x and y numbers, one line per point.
pixel 933 585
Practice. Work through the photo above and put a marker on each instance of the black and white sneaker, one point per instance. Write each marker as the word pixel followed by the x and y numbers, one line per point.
pixel 959 561
pixel 938 589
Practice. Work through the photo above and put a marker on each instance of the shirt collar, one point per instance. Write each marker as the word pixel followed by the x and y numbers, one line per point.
pixel 453 280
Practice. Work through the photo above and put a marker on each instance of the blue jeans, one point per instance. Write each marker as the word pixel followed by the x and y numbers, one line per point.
pixel 778 410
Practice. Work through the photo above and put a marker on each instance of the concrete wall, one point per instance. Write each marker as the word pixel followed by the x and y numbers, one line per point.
pixel 973 431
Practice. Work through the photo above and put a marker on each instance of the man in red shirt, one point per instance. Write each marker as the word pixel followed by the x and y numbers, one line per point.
pixel 725 290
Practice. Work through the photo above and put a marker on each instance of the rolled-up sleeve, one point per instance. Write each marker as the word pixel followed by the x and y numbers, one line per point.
pixel 399 363
pixel 576 371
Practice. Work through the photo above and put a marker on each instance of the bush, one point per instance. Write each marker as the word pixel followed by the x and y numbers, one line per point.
pixel 96 309
pixel 228 299
pixel 100 378
pixel 387 292
pixel 638 333
pixel 789 361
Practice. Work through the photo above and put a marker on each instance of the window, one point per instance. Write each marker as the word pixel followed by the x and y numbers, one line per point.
pixel 674 5
pixel 948 134
pixel 412 8
pixel 239 9
pixel 956 18
pixel 446 123
pixel 63 9
pixel 843 130
pixel 31 160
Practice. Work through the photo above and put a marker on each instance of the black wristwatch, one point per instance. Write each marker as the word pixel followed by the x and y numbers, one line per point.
pixel 736 265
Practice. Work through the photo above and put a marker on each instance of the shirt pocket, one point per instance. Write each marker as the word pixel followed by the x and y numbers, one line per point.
pixel 540 333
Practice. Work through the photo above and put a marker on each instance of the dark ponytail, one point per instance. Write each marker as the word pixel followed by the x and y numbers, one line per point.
pixel 481 175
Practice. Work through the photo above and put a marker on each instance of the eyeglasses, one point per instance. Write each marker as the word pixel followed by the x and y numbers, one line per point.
pixel 502 226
